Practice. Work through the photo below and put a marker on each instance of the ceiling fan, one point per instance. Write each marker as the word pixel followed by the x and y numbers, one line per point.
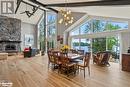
pixel 28 13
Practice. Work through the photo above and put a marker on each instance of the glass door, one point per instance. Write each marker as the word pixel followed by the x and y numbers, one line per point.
pixel 98 45
pixel 113 46
pixel 75 43
pixel 85 45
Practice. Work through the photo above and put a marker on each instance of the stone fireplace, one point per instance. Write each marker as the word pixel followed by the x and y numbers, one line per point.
pixel 10 46
pixel 10 34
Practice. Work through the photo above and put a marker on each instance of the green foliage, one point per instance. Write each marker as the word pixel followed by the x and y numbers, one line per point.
pixel 98 25
pixel 112 41
pixel 50 44
pixel 109 26
pixel 99 44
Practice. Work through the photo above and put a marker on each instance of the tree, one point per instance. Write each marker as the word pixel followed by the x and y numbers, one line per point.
pixel 98 45
pixel 110 26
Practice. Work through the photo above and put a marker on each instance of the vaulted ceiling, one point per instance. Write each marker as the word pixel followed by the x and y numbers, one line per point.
pixel 63 1
pixel 120 11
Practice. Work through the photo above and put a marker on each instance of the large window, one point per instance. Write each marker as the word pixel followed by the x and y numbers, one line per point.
pixel 111 25
pixel 98 45
pixel 41 34
pixel 96 25
pixel 75 43
pixel 85 28
pixel 51 18
pixel 75 32
pixel 85 45
pixel 51 24
pixel 82 44
pixel 91 29
pixel 51 29
pixel 99 25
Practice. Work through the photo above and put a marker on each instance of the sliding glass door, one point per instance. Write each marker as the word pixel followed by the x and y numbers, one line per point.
pixel 85 45
pixel 81 44
pixel 98 45
pixel 75 44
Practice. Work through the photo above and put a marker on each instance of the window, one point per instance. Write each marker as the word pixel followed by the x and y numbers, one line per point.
pixel 98 45
pixel 96 25
pixel 51 29
pixel 85 28
pixel 116 25
pixel 51 24
pixel 41 34
pixel 99 25
pixel 74 32
pixel 85 45
pixel 75 43
pixel 51 18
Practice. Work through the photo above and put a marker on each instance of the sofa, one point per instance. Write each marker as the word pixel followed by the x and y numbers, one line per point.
pixel 30 52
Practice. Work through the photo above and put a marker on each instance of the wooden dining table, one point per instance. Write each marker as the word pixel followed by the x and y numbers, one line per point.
pixel 72 56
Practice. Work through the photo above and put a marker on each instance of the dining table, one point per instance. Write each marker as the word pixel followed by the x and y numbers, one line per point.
pixel 73 56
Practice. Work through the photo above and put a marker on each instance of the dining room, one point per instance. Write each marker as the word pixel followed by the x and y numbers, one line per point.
pixel 64 43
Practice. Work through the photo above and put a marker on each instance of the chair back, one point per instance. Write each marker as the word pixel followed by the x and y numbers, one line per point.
pixel 62 54
pixel 81 52
pixel 65 60
pixel 87 59
pixel 74 51
pixel 106 57
pixel 56 56
pixel 50 56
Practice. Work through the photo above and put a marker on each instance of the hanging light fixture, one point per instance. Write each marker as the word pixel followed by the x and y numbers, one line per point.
pixel 66 16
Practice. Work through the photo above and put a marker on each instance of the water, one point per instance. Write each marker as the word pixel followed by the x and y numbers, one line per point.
pixel 85 48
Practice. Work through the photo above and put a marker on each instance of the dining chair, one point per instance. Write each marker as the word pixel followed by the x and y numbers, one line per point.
pixel 85 63
pixel 81 52
pixel 102 58
pixel 97 57
pixel 67 66
pixel 50 58
pixel 74 51
pixel 105 59
pixel 56 56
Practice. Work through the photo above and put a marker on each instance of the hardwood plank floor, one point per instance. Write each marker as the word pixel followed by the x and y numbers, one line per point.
pixel 33 72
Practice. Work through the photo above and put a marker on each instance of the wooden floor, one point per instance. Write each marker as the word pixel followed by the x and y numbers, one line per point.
pixel 33 72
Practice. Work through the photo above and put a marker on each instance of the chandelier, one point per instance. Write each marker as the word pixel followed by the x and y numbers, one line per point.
pixel 66 17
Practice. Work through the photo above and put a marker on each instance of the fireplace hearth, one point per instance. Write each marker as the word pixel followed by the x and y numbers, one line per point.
pixel 10 46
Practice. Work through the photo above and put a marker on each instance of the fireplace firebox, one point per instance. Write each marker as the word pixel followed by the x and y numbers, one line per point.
pixel 10 46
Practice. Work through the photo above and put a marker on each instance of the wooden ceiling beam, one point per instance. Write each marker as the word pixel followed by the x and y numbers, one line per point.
pixel 18 4
pixel 43 5
pixel 91 3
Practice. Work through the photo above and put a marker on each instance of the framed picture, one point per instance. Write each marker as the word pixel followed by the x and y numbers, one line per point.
pixel 61 40
pixel 29 40
pixel 58 37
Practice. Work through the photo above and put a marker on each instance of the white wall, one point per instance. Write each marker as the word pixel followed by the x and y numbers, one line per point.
pixel 28 29
pixel 124 41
